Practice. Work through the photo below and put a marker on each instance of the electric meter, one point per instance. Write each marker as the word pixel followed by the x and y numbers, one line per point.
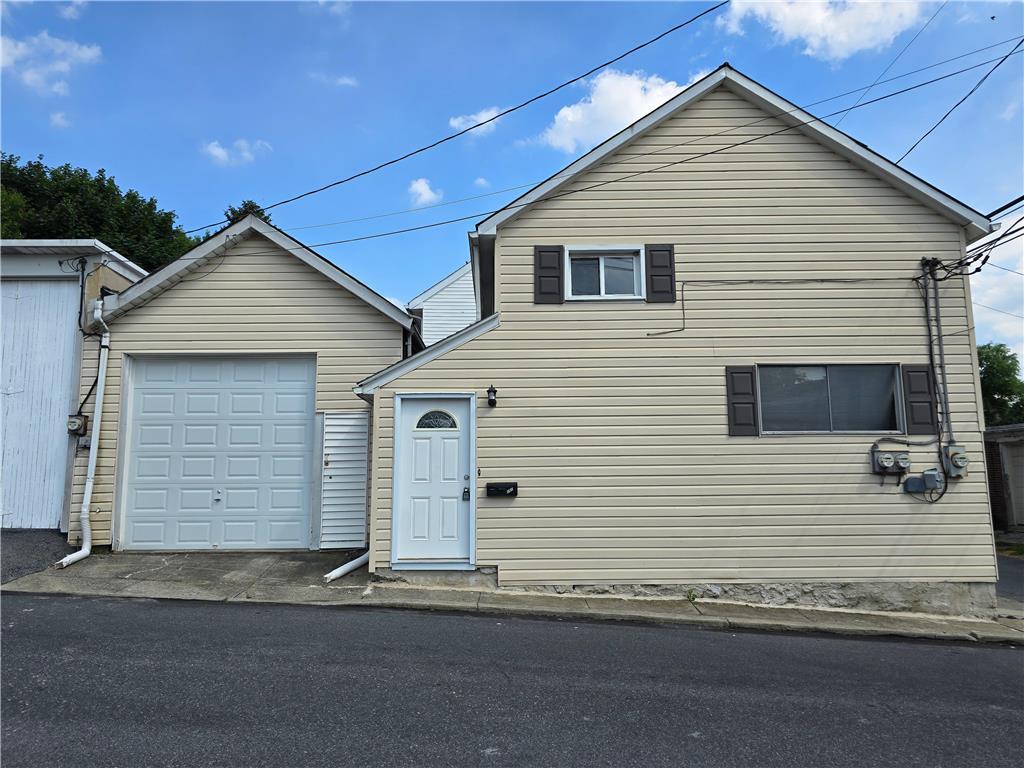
pixel 903 461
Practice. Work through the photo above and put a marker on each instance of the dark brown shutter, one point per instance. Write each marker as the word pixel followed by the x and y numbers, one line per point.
pixel 548 264
pixel 661 273
pixel 919 399
pixel 741 395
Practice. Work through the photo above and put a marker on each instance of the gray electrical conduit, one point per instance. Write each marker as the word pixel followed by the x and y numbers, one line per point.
pixel 94 442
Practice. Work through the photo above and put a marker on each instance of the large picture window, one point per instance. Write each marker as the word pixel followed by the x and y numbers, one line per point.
pixel 615 273
pixel 829 398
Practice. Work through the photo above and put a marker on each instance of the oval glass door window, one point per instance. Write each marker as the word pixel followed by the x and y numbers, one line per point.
pixel 436 420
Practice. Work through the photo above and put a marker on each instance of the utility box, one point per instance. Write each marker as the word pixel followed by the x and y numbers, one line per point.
pixel 955 460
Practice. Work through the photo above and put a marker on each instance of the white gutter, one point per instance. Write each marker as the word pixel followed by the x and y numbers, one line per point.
pixel 347 568
pixel 94 442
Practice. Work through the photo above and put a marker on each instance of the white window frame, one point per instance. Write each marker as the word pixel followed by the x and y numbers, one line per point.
pixel 569 250
pixel 901 418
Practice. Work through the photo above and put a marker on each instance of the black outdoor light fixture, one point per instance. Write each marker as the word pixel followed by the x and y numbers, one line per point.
pixel 492 396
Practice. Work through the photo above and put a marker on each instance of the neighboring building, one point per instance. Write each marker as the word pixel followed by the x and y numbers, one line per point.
pixel 447 306
pixel 47 285
pixel 1004 449
pixel 694 337
pixel 229 419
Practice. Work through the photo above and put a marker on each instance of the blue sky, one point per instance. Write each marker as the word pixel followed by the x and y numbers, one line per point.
pixel 204 104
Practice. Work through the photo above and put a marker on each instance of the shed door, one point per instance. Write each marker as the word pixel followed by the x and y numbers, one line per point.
pixel 343 489
pixel 39 363
pixel 432 514
pixel 219 453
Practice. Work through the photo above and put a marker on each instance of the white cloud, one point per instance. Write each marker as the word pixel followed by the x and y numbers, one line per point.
pixel 829 29
pixel 422 193
pixel 42 61
pixel 72 10
pixel 59 120
pixel 1001 290
pixel 1011 109
pixel 481 182
pixel 240 152
pixel 462 122
pixel 340 9
pixel 614 100
pixel 341 81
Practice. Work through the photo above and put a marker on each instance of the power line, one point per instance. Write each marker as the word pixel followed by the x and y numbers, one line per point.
pixel 499 115
pixel 891 63
pixel 695 139
pixel 1000 311
pixel 966 96
pixel 1012 204
pixel 1006 269
pixel 850 92
pixel 699 156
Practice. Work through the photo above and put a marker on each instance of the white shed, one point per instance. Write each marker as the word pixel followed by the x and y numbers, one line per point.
pixel 44 285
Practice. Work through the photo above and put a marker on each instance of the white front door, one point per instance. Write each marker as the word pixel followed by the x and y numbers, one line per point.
pixel 434 481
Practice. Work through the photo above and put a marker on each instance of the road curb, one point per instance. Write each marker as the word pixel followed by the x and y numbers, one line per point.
pixel 704 614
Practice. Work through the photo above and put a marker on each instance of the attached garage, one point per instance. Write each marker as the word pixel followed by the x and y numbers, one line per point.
pixel 229 420
pixel 221 453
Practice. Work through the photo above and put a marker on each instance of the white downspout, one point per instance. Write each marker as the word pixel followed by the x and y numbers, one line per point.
pixel 94 441
pixel 348 567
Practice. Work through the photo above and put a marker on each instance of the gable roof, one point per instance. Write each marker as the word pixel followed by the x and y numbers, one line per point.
pixel 159 281
pixel 371 384
pixel 440 285
pixel 860 154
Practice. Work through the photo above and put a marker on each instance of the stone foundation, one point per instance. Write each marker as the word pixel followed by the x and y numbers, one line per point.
pixel 949 598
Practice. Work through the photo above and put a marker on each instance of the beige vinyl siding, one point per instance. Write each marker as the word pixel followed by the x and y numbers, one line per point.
pixel 618 439
pixel 257 299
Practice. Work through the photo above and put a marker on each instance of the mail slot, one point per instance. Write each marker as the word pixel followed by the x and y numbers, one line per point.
pixel 503 489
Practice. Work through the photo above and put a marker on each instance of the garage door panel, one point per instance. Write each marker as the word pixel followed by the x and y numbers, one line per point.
pixel 221 454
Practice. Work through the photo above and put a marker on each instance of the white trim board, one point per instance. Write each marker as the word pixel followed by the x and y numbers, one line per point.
pixel 68 249
pixel 976 224
pixel 440 285
pixel 371 384
pixel 161 280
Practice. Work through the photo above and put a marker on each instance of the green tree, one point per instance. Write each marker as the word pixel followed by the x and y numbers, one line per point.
pixel 1002 391
pixel 38 201
pixel 243 209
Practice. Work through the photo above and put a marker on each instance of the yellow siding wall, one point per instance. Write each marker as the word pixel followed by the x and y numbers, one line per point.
pixel 257 298
pixel 618 439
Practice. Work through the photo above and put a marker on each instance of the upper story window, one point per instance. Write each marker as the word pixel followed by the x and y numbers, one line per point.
pixel 829 398
pixel 612 272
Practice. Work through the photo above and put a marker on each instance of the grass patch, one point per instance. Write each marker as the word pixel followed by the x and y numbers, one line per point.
pixel 1011 550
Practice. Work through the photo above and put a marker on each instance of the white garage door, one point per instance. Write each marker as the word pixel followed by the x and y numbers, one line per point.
pixel 220 453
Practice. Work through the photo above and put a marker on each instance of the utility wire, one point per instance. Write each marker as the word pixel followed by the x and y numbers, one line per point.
pixel 692 158
pixel 891 63
pixel 527 185
pixel 966 96
pixel 1000 311
pixel 690 141
pixel 498 116
pixel 1013 203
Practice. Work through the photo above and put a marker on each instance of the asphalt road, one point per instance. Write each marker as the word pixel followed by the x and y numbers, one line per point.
pixel 27 550
pixel 145 683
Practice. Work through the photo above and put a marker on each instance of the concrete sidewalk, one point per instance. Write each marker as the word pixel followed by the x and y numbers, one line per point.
pixel 297 578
